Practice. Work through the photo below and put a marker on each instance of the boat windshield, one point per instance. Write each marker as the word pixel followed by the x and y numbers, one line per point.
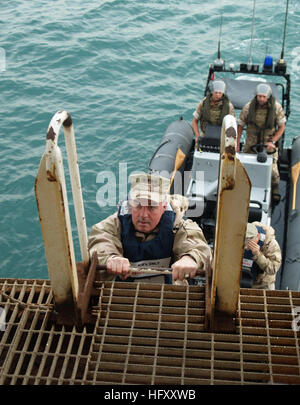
pixel 240 91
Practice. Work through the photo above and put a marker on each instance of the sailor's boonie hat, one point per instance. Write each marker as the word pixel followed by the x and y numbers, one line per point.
pixel 148 189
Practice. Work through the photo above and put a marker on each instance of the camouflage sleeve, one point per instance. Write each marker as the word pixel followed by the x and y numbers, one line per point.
pixel 197 112
pixel 280 117
pixel 105 239
pixel 269 258
pixel 189 240
pixel 243 117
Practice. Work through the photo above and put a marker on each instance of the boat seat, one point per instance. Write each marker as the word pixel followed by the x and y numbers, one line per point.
pixel 255 213
pixel 211 141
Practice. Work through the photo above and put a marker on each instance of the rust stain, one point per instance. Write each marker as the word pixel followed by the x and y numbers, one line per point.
pixel 60 191
pixel 36 185
pixel 37 200
pixel 229 184
pixel 62 200
pixel 68 121
pixel 230 132
pixel 50 176
pixel 230 150
pixel 51 134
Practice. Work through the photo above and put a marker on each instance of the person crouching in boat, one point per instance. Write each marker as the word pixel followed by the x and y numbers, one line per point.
pixel 149 230
pixel 265 122
pixel 212 109
pixel 262 255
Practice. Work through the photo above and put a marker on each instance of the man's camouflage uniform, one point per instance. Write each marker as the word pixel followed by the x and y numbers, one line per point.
pixel 268 259
pixel 105 238
pixel 253 131
pixel 217 111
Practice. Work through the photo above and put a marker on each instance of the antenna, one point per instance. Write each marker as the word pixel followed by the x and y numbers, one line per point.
pixel 252 31
pixel 281 64
pixel 284 30
pixel 220 34
pixel 249 67
pixel 219 63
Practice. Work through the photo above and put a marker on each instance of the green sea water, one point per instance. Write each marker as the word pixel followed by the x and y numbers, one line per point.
pixel 124 70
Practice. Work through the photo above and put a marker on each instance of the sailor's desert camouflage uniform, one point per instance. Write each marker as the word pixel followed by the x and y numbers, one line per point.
pixel 215 112
pixel 268 259
pixel 105 238
pixel 252 139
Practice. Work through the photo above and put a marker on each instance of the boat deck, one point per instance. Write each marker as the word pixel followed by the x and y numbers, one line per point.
pixel 146 334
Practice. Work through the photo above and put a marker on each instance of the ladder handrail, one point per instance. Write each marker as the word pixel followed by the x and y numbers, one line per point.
pixel 59 119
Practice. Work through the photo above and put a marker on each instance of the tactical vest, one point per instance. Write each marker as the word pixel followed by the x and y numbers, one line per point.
pixel 262 121
pixel 155 252
pixel 213 114
pixel 249 267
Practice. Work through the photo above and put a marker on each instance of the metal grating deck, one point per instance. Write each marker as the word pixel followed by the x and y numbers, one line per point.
pixel 147 334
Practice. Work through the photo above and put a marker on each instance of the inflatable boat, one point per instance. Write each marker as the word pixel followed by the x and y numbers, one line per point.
pixel 198 167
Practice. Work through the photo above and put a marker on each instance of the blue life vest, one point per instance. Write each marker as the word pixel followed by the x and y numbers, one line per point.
pixel 160 247
pixel 250 269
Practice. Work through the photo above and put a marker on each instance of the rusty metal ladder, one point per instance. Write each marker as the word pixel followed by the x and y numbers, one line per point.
pixel 72 283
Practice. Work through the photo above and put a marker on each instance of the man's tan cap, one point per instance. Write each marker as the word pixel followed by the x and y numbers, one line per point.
pixel 251 231
pixel 148 188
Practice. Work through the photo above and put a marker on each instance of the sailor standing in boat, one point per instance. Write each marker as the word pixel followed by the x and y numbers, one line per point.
pixel 262 255
pixel 265 122
pixel 212 109
pixel 149 230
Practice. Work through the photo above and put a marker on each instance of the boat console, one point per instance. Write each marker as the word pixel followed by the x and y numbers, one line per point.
pixel 203 186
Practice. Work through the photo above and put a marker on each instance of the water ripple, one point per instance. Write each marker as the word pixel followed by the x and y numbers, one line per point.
pixel 124 70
